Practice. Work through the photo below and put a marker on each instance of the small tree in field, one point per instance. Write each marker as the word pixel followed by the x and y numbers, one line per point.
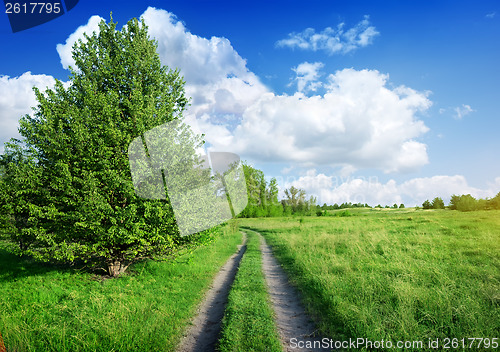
pixel 295 198
pixel 454 202
pixel 437 203
pixel 67 185
pixel 426 204
pixel 467 203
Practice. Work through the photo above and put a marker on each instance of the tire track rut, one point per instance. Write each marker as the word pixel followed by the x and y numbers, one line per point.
pixel 202 336
pixel 291 318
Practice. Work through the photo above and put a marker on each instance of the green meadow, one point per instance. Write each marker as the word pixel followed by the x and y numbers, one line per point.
pixel 49 308
pixel 400 275
pixel 391 274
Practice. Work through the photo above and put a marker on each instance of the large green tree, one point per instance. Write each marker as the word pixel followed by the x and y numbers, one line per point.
pixel 67 185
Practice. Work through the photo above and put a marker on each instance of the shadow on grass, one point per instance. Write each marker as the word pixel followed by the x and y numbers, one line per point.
pixel 14 267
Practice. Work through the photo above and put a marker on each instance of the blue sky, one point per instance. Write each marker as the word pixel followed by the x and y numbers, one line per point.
pixel 371 101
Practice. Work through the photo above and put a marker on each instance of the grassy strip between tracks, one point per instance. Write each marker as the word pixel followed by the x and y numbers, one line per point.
pixel 248 323
pixel 46 308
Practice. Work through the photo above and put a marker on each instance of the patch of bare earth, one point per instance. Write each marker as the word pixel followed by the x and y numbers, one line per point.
pixel 294 325
pixel 203 334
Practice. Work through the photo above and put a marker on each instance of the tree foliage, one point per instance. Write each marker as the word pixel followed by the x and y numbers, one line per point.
pixel 464 203
pixel 67 186
pixel 437 203
pixel 494 203
pixel 344 206
pixel 263 197
pixel 256 186
pixel 426 204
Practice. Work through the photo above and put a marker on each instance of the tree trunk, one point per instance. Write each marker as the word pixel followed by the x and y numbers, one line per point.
pixel 116 267
pixel 2 346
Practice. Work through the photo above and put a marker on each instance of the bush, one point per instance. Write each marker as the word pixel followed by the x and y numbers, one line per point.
pixel 343 213
pixel 467 203
pixel 275 210
pixel 437 203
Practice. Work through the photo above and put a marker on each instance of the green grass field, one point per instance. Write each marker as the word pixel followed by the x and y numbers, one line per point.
pixel 46 308
pixel 394 274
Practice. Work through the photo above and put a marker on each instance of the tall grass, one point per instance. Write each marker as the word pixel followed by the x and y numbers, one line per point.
pixel 47 308
pixel 401 275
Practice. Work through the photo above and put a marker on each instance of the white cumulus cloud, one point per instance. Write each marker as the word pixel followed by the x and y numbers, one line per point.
pixel 217 78
pixel 334 189
pixel 307 76
pixel 16 99
pixel 333 41
pixel 358 122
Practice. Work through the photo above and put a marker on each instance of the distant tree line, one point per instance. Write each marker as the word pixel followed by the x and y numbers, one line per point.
pixel 263 200
pixel 344 206
pixel 464 203
pixel 394 206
